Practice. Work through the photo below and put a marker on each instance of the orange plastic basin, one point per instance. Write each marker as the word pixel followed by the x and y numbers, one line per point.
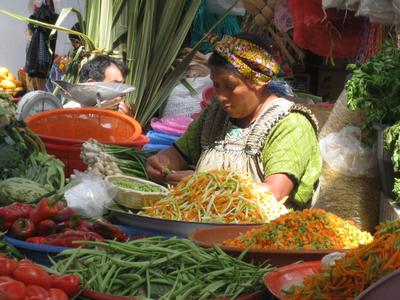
pixel 63 131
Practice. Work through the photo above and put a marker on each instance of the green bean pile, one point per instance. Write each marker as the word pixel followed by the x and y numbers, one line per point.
pixel 135 185
pixel 158 268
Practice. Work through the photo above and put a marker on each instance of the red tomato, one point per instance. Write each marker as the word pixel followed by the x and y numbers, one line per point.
pixel 6 279
pixel 32 275
pixel 7 266
pixel 67 283
pixel 57 294
pixel 36 291
pixel 12 290
pixel 25 262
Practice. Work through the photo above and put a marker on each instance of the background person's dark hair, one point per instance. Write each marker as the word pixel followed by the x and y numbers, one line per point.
pixel 95 68
pixel 216 60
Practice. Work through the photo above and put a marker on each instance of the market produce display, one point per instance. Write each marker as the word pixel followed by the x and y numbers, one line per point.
pixel 307 229
pixel 25 280
pixel 358 269
pixel 114 160
pixel 161 269
pixel 51 223
pixel 23 156
pixel 374 87
pixel 8 82
pixel 218 196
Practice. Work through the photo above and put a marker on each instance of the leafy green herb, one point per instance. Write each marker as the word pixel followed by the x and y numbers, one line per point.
pixel 375 88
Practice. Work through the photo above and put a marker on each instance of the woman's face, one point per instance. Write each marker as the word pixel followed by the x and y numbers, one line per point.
pixel 239 98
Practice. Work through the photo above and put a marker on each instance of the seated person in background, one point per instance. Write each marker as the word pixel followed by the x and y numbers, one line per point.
pixel 104 68
pixel 247 128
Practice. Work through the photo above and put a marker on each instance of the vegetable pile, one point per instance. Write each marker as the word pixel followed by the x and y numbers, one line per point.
pixel 114 160
pixel 392 144
pixel 307 229
pixel 358 269
pixel 25 280
pixel 23 156
pixel 374 88
pixel 218 196
pixel 53 224
pixel 161 269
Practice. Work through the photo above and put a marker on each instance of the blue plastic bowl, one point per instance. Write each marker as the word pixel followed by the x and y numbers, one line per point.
pixel 40 253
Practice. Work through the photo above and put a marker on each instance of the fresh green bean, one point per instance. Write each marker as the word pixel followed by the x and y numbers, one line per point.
pixel 163 269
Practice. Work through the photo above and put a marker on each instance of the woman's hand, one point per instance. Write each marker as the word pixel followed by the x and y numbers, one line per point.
pixel 164 163
pixel 157 167
pixel 176 176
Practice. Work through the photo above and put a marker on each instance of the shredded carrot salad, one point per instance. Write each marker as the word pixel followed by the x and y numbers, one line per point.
pixel 217 196
pixel 307 229
pixel 358 269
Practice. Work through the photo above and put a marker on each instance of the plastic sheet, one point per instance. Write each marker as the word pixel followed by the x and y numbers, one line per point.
pixel 175 125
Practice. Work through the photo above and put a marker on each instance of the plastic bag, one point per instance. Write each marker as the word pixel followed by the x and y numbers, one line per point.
pixel 175 125
pixel 90 194
pixel 344 153
pixel 161 137
pixel 181 102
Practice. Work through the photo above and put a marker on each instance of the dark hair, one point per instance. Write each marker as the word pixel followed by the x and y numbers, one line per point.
pixel 73 37
pixel 216 60
pixel 95 68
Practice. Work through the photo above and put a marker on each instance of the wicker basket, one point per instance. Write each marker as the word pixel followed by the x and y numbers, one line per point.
pixel 133 198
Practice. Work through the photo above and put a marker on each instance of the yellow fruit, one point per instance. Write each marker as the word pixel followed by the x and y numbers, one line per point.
pixel 18 89
pixel 7 84
pixel 11 77
pixel 3 70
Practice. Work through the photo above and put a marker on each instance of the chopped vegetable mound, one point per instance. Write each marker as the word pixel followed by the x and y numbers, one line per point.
pixel 217 196
pixel 357 270
pixel 307 229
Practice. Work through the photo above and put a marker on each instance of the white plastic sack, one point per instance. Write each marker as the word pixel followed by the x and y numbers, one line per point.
pixel 378 11
pixel 344 153
pixel 180 102
pixel 90 194
pixel 340 4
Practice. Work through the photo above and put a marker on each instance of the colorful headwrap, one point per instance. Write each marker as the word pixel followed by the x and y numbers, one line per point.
pixel 251 61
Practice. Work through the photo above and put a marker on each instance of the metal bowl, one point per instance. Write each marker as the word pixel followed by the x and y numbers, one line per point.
pixel 179 228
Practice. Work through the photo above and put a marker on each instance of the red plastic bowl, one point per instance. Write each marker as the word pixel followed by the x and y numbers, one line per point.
pixel 284 277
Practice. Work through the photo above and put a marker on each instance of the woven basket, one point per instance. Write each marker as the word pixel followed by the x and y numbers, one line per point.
pixel 133 198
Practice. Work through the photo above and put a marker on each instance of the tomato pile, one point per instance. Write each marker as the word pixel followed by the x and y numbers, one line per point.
pixel 25 280
pixel 53 224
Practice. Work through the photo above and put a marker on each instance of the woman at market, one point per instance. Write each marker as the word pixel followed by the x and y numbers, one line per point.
pixel 247 128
